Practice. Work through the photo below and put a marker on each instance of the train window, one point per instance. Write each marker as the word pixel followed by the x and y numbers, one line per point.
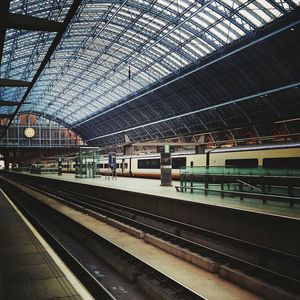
pixel 282 162
pixel 148 163
pixel 241 163
pixel 118 166
pixel 105 166
pixel 101 166
pixel 178 162
pixel 126 166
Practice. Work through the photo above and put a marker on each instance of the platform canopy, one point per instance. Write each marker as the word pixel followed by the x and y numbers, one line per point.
pixel 153 69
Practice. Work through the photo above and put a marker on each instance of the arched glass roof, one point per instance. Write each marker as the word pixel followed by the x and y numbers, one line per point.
pixel 114 49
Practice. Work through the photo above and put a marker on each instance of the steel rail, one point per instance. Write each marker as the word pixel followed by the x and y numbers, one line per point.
pixel 171 283
pixel 264 273
pixel 58 245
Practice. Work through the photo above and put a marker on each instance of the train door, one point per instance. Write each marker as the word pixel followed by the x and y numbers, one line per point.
pixel 207 163
pixel 123 165
pixel 130 172
pixel 84 170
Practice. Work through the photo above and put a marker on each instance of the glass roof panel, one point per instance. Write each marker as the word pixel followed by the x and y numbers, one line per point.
pixel 89 70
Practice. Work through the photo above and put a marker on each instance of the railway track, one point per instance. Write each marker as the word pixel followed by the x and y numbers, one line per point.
pixel 271 267
pixel 60 230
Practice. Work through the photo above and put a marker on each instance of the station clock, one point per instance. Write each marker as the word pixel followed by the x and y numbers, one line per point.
pixel 29 132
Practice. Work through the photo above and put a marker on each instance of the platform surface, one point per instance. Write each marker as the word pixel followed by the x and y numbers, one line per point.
pixel 152 187
pixel 26 269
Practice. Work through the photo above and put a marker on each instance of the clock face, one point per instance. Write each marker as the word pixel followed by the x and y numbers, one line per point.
pixel 29 132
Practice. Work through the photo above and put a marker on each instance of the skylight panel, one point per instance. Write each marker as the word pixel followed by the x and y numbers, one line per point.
pixel 93 70
pixel 250 17
pixel 207 16
pixel 104 84
pixel 226 29
pixel 297 2
pixel 176 37
pixel 98 90
pixel 180 58
pixel 80 113
pixel 159 70
pixel 264 16
pixel 142 76
pixel 121 92
pixel 125 88
pixel 163 2
pixel 174 63
pixel 216 15
pixel 237 29
pixel 158 51
pixel 127 15
pixel 199 51
pixel 161 23
pixel 221 35
pixel 110 98
pixel 97 102
pixel 178 6
pixel 146 19
pixel 200 21
pixel 284 4
pixel 231 3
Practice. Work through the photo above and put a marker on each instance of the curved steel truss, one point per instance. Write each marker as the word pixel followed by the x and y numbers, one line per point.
pixel 114 49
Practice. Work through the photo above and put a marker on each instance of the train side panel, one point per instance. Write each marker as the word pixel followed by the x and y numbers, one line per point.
pixel 140 165
pixel 219 159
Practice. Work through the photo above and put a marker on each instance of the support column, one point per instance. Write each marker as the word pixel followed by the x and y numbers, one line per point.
pixel 166 167
pixel 128 149
pixel 6 163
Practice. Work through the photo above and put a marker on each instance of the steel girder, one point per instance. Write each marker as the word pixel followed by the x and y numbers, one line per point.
pixel 161 37
pixel 88 72
pixel 250 72
pixel 27 22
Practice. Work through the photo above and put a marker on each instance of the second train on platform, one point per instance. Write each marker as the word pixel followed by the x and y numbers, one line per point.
pixel 148 165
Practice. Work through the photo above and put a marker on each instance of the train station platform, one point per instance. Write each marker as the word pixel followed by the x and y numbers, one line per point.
pixel 203 282
pixel 29 269
pixel 273 225
pixel 152 187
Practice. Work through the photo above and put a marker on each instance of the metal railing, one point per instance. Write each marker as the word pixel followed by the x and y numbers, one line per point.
pixel 260 171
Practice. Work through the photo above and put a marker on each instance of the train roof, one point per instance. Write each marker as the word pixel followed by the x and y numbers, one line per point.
pixel 256 147
pixel 217 150
pixel 192 152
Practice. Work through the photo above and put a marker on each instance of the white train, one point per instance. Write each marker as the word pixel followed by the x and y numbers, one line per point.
pixel 148 165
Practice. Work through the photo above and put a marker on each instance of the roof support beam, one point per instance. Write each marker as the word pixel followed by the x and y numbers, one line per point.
pixel 4 11
pixel 13 83
pixel 294 22
pixel 47 57
pixel 18 21
pixel 3 116
pixel 8 103
pixel 212 107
